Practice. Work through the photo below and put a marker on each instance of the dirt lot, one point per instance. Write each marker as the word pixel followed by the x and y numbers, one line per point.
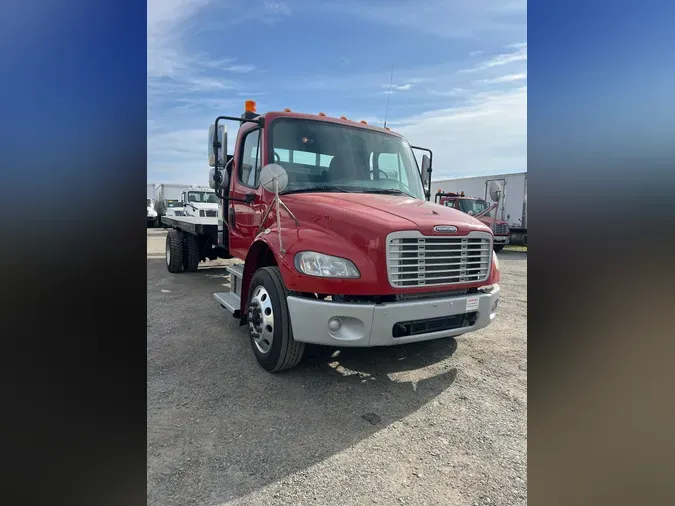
pixel 450 425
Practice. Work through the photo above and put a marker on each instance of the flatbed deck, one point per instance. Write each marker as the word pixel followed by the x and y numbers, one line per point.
pixel 192 224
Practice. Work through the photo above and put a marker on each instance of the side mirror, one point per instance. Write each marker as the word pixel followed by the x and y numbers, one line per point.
pixel 222 148
pixel 224 178
pixel 426 169
pixel 495 190
pixel 273 177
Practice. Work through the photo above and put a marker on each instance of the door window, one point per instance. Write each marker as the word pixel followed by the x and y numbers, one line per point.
pixel 249 168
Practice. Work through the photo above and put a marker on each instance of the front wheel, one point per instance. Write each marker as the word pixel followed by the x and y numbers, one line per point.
pixel 269 323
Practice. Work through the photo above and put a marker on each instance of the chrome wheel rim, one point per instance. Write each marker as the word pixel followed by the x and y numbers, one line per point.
pixel 261 319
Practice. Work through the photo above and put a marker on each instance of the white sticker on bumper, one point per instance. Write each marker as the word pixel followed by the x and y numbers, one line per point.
pixel 472 303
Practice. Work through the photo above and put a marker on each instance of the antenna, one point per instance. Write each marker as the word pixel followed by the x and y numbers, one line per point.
pixel 391 79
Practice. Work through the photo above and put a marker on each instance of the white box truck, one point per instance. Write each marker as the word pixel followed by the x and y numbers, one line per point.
pixel 513 205
pixel 168 197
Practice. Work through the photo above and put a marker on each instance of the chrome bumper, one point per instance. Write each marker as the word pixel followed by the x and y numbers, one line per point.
pixel 348 324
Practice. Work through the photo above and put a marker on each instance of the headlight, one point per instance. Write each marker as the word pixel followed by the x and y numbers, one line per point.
pixel 325 266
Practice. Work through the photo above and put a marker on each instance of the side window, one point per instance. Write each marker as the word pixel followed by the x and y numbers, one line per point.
pixel 451 203
pixel 392 165
pixel 251 160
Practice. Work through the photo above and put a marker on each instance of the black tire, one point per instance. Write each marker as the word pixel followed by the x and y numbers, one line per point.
pixel 284 352
pixel 191 253
pixel 174 251
pixel 498 247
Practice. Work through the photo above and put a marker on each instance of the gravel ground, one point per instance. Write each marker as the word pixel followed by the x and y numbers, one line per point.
pixel 443 422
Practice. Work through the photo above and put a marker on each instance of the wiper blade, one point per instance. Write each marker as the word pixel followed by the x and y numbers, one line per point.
pixel 316 189
pixel 387 191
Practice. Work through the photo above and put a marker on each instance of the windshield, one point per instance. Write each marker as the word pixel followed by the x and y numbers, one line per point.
pixel 148 202
pixel 172 203
pixel 202 197
pixel 474 207
pixel 323 156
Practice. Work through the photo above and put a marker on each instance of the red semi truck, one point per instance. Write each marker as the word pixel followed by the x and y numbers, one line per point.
pixel 481 210
pixel 338 242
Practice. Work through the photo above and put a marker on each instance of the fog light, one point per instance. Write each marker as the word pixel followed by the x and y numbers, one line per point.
pixel 334 324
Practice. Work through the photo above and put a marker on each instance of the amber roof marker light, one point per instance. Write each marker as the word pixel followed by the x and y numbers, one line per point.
pixel 250 106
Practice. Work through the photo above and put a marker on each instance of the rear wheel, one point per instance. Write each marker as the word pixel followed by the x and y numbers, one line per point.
pixel 269 323
pixel 174 251
pixel 191 253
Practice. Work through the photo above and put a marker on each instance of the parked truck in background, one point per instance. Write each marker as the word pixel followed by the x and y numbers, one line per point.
pixel 481 210
pixel 200 202
pixel 513 205
pixel 337 241
pixel 150 213
pixel 168 197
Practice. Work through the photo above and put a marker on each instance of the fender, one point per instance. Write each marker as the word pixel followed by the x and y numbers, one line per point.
pixel 260 254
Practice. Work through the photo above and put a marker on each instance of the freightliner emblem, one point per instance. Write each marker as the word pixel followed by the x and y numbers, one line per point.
pixel 445 229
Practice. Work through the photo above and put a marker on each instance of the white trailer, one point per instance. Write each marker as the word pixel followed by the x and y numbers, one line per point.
pixel 170 191
pixel 168 196
pixel 150 192
pixel 513 205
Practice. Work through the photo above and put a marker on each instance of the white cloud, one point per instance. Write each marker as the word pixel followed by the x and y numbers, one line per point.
pixel 519 55
pixel 167 56
pixel 453 19
pixel 487 135
pixel 509 78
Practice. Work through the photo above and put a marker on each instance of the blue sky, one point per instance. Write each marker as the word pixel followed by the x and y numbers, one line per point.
pixel 459 86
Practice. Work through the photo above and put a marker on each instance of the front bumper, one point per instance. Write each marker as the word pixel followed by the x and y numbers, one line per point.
pixel 500 239
pixel 367 325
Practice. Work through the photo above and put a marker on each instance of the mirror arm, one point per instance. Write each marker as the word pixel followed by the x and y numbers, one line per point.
pixel 249 198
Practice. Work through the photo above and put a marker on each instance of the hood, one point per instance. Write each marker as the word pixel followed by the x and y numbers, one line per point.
pixel 203 205
pixel 343 212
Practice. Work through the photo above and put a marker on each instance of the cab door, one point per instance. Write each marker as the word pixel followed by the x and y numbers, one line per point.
pixel 244 219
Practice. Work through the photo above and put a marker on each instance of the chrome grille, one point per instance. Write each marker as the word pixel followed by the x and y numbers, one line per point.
pixel 415 260
pixel 211 213
pixel 499 228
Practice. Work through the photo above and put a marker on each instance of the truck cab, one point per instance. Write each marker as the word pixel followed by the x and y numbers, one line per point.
pixel 173 207
pixel 199 202
pixel 481 210
pixel 336 241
